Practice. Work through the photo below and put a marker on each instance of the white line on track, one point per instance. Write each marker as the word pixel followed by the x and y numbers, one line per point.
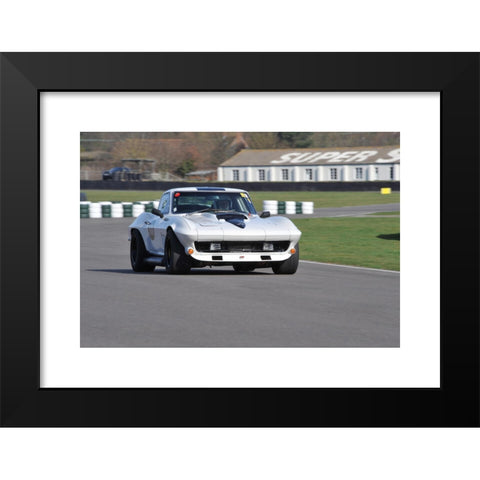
pixel 350 266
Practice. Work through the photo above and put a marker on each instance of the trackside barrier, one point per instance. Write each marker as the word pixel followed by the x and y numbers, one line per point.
pixel 84 209
pixel 138 208
pixel 290 208
pixel 271 206
pixel 95 210
pixel 127 209
pixel 134 209
pixel 106 209
pixel 115 209
pixel 276 207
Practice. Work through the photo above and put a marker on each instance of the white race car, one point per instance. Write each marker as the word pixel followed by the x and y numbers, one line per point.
pixel 212 226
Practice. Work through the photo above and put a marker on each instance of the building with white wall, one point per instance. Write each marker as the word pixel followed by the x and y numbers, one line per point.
pixel 354 164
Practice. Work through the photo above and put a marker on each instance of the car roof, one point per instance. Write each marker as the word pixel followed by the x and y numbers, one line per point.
pixel 205 189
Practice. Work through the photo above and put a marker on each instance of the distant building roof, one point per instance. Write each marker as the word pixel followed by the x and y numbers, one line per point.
pixel 201 172
pixel 315 156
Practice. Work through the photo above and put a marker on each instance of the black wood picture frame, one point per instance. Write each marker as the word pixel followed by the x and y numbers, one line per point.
pixel 25 75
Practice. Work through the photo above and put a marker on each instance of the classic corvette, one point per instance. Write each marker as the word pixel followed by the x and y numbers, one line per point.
pixel 212 226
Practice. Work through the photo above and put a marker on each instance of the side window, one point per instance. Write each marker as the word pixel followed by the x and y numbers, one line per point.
pixel 165 203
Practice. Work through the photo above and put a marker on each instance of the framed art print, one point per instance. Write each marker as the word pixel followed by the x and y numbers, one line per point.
pixel 360 332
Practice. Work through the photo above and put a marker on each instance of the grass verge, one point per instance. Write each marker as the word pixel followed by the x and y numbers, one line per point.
pixel 122 195
pixel 320 199
pixel 363 242
pixel 327 199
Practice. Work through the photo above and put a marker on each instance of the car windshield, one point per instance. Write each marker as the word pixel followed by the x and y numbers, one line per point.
pixel 190 202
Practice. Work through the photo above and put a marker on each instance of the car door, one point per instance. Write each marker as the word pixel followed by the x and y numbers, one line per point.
pixel 158 228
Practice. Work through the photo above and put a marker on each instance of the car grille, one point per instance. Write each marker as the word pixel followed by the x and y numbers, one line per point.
pixel 242 246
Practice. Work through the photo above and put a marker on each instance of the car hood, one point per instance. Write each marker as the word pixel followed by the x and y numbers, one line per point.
pixel 254 228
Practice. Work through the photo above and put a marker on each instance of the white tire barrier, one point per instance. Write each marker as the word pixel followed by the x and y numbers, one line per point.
pixel 117 210
pixel 276 207
pixel 95 210
pixel 270 206
pixel 138 208
pixel 307 207
pixel 290 208
pixel 107 209
pixel 134 209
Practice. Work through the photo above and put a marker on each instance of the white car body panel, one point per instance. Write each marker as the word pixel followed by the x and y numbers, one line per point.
pixel 190 228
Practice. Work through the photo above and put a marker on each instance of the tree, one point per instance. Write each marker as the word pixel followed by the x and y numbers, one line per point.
pixel 261 140
pixel 295 139
pixel 185 167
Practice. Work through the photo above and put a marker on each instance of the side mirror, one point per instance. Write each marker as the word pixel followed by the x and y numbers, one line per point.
pixel 265 214
pixel 157 212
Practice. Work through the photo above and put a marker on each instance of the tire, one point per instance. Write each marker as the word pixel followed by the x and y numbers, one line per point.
pixel 289 266
pixel 138 254
pixel 176 260
pixel 241 268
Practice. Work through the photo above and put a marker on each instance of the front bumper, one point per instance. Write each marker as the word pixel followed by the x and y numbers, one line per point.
pixel 239 257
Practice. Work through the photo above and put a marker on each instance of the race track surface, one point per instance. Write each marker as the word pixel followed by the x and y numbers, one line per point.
pixel 357 211
pixel 320 306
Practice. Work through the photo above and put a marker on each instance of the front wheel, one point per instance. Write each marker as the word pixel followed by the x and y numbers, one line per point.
pixel 288 266
pixel 138 253
pixel 176 260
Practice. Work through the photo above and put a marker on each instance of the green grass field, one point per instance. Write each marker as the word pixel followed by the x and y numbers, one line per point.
pixel 320 199
pixel 361 241
pixel 122 195
pixel 327 199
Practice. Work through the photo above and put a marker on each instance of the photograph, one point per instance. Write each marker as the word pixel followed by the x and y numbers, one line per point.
pixel 240 239
pixel 236 260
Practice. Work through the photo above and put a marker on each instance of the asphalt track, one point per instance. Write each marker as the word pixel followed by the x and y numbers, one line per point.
pixel 357 211
pixel 320 306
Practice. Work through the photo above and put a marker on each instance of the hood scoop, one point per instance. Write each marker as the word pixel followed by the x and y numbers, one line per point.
pixel 238 222
pixel 236 219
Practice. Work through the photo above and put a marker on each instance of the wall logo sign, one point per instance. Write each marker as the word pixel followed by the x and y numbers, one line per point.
pixel 353 156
